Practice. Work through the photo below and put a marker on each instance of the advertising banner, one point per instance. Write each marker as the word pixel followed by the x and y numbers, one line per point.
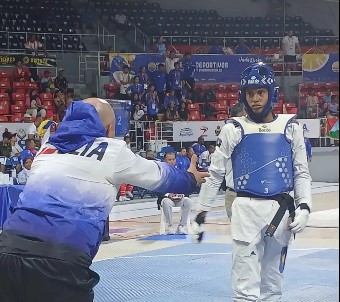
pixel 27 60
pixel 209 68
pixel 20 128
pixel 320 67
pixel 311 127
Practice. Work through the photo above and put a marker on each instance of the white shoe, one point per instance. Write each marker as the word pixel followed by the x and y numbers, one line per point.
pixel 129 194
pixel 123 198
pixel 181 230
pixel 170 231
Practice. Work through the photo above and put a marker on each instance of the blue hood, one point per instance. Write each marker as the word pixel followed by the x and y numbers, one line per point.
pixel 80 126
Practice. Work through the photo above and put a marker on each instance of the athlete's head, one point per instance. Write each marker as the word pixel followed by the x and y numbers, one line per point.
pixel 106 114
pixel 258 91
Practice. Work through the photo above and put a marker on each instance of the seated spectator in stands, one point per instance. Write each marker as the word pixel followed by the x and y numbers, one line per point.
pixel 182 160
pixel 183 112
pixel 312 102
pixel 59 99
pixel 150 155
pixel 5 145
pixel 334 106
pixel 134 101
pixel 190 152
pixel 35 107
pixel 185 92
pixel 26 171
pixel 47 84
pixel 199 147
pixel 170 61
pixel 171 97
pixel 60 81
pixel 62 109
pixel 323 110
pixel 29 150
pixel 241 48
pixel 209 111
pixel 135 88
pixel 32 132
pixel 205 158
pixel 152 103
pixel 170 200
pixel 144 78
pixel 27 118
pixel 32 45
pixel 160 46
pixel 160 80
pixel 328 97
pixel 238 110
pixel 21 73
pixel 216 49
pixel 175 81
pixel 16 149
pixel 171 113
pixel 121 22
pixel 123 78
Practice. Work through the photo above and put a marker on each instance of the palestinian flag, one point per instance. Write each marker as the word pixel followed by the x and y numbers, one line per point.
pixel 334 132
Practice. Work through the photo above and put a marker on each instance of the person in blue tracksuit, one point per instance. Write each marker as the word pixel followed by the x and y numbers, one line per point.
pixel 48 243
pixel 182 161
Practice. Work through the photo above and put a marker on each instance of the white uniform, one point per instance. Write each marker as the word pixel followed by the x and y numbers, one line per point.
pixel 256 258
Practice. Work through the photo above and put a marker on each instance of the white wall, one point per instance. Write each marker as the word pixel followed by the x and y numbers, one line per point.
pixel 323 14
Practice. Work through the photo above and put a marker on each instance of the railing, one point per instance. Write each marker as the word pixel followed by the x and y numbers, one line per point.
pixel 263 41
pixel 140 38
pixel 60 42
pixel 105 37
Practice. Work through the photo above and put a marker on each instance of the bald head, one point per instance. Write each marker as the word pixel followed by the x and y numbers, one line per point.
pixel 106 114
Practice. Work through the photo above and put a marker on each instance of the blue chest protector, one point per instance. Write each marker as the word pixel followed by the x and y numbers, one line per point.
pixel 262 161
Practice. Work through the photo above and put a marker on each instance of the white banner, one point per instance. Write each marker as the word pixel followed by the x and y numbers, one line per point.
pixel 20 128
pixel 191 131
pixel 311 127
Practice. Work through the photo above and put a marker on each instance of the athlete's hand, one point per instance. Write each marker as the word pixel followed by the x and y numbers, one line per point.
pixel 300 220
pixel 199 176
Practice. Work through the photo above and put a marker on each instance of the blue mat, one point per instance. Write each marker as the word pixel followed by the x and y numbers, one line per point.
pixel 201 273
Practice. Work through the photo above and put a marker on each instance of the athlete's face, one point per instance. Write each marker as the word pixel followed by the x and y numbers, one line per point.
pixel 257 99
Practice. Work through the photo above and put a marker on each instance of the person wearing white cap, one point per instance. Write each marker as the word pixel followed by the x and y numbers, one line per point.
pixel 27 118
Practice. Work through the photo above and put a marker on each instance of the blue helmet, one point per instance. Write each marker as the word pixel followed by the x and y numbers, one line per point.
pixel 256 76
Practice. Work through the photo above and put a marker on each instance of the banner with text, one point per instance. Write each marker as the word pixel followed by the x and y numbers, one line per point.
pixel 21 129
pixel 191 131
pixel 209 68
pixel 320 67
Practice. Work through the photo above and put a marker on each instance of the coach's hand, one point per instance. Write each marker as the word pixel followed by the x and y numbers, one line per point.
pixel 199 176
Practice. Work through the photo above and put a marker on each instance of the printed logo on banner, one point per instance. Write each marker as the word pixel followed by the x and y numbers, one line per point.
pixel 21 133
pixel 186 132
pixel 218 130
pixel 204 129
pixel 152 66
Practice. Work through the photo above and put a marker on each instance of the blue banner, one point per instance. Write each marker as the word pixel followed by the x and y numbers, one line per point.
pixel 209 68
pixel 122 122
pixel 320 67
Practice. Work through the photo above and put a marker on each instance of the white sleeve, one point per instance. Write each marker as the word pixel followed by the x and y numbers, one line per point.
pixel 152 175
pixel 116 77
pixel 229 137
pixel 302 178
pixel 32 130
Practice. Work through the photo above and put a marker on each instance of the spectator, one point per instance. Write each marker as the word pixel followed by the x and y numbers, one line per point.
pixel 124 79
pixel 152 103
pixel 121 22
pixel 189 68
pixel 35 107
pixel 29 150
pixel 323 110
pixel 186 96
pixel 16 149
pixel 209 111
pixel 27 118
pixel 182 160
pixel 135 88
pixel 60 81
pixel 138 117
pixel 205 158
pixel 216 49
pixel 127 141
pixel 32 130
pixel 328 97
pixel 291 47
pixel 59 99
pixel 21 73
pixel 170 200
pixel 238 110
pixel 171 97
pixel 32 45
pixel 241 48
pixel 170 61
pixel 5 145
pixel 26 171
pixel 144 78
pixel 199 147
pixel 160 81
pixel 134 101
pixel 160 46
pixel 190 152
pixel 183 112
pixel 46 81
pixel 308 145
pixel 62 109
pixel 312 104
pixel 334 106
pixel 175 81
pixel 150 155
pixel 172 113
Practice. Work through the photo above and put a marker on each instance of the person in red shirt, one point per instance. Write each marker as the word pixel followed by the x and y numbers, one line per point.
pixel 21 73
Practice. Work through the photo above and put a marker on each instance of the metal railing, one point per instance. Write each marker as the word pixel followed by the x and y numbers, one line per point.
pixel 140 38
pixel 262 43
pixel 54 42
pixel 105 37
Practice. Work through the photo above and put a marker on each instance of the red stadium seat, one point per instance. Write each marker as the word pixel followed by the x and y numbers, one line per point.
pixel 18 96
pixel 332 86
pixel 281 96
pixel 4 97
pixel 222 106
pixel 194 116
pixel 233 103
pixel 277 110
pixel 292 110
pixel 280 103
pixel 221 96
pixel 3 119
pixel 318 86
pixel 19 86
pixel 222 88
pixel 192 107
pixel 16 119
pixel 20 103
pixel 111 87
pixel 48 104
pixel 222 116
pixel 290 105
pixel 234 87
pixel 16 108
pixel 4 108
pixel 46 97
pixel 233 96
pixel 31 85
pixel 5 83
pixel 6 74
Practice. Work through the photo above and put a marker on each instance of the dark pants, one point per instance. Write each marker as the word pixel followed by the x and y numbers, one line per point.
pixel 28 277
pixel 161 97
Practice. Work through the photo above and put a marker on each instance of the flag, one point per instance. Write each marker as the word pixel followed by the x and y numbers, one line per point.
pixel 334 132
